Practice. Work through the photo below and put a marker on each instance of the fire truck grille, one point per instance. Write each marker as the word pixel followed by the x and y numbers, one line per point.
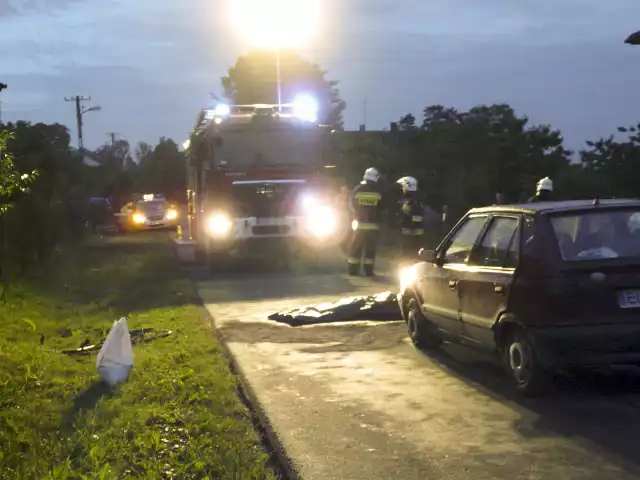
pixel 155 218
pixel 270 229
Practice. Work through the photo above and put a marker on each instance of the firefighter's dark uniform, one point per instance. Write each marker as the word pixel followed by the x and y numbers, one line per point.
pixel 411 227
pixel 367 205
pixel 542 196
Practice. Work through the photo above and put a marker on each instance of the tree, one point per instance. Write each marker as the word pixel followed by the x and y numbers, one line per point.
pixel 253 79
pixel 408 122
pixel 12 181
pixel 163 170
pixel 143 149
pixel 461 159
pixel 613 165
pixel 117 169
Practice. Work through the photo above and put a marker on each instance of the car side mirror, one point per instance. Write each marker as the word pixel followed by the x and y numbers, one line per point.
pixel 428 256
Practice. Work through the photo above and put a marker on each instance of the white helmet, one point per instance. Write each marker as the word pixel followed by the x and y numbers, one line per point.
pixel 545 184
pixel 371 175
pixel 409 184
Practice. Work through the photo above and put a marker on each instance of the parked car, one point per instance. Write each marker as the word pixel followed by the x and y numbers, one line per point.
pixel 99 213
pixel 547 286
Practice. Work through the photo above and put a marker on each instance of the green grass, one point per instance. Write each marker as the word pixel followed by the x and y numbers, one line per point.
pixel 178 415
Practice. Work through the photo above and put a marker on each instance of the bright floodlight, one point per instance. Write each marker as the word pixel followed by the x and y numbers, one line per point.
pixel 276 23
pixel 222 110
pixel 305 108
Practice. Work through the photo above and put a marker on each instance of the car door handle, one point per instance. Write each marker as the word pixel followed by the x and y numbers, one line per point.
pixel 497 288
pixel 453 284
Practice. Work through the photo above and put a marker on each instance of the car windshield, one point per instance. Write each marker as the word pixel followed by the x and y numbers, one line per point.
pixel 151 206
pixel 597 235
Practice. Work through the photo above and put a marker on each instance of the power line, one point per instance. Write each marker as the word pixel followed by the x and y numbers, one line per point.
pixel 78 100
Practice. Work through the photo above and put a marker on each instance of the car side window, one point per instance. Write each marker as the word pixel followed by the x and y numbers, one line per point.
pixel 463 240
pixel 500 244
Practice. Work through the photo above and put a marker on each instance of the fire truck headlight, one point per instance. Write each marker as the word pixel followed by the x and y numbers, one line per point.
pixel 219 225
pixel 322 221
pixel 222 110
pixel 408 276
pixel 305 108
pixel 172 214
pixel 309 202
pixel 139 218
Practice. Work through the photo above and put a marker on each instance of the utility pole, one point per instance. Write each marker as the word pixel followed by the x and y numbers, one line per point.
pixel 113 137
pixel 78 100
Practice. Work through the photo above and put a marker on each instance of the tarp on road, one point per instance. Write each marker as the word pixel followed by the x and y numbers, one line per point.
pixel 380 307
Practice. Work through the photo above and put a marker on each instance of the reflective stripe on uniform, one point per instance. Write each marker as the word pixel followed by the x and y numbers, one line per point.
pixel 353 261
pixel 410 231
pixel 368 198
pixel 417 218
pixel 368 261
pixel 365 226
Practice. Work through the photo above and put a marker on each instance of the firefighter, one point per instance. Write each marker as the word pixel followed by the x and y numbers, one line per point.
pixel 544 191
pixel 367 204
pixel 411 220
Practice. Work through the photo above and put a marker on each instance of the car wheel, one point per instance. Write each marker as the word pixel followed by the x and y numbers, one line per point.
pixel 522 364
pixel 420 332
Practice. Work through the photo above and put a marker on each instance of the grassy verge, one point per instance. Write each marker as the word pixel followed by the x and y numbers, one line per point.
pixel 178 415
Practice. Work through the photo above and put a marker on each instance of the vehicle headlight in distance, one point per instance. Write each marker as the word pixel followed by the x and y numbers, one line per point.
pixel 219 225
pixel 172 214
pixel 322 221
pixel 139 218
pixel 408 276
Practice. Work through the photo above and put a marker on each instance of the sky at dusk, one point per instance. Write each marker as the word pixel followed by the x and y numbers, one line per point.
pixel 150 65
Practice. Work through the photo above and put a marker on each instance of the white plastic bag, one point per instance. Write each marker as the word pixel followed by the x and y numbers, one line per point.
pixel 115 358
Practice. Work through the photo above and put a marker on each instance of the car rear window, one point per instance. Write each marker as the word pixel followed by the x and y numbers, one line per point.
pixel 597 235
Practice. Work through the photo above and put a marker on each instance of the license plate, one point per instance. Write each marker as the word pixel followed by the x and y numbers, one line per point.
pixel 629 298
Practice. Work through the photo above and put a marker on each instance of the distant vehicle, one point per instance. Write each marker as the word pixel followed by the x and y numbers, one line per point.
pixel 548 286
pixel 151 212
pixel 99 213
pixel 258 188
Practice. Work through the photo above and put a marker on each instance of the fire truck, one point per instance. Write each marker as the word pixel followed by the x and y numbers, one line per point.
pixel 258 185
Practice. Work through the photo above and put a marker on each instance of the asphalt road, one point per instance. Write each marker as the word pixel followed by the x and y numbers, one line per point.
pixel 357 401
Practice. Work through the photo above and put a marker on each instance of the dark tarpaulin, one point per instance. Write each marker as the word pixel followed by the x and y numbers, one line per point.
pixel 379 307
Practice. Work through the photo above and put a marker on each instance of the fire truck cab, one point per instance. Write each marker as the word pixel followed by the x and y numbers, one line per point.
pixel 257 183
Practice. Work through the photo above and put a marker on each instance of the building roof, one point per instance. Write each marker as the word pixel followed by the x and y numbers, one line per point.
pixel 87 159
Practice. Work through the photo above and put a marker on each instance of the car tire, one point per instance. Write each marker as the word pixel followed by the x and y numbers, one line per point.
pixel 422 334
pixel 521 360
